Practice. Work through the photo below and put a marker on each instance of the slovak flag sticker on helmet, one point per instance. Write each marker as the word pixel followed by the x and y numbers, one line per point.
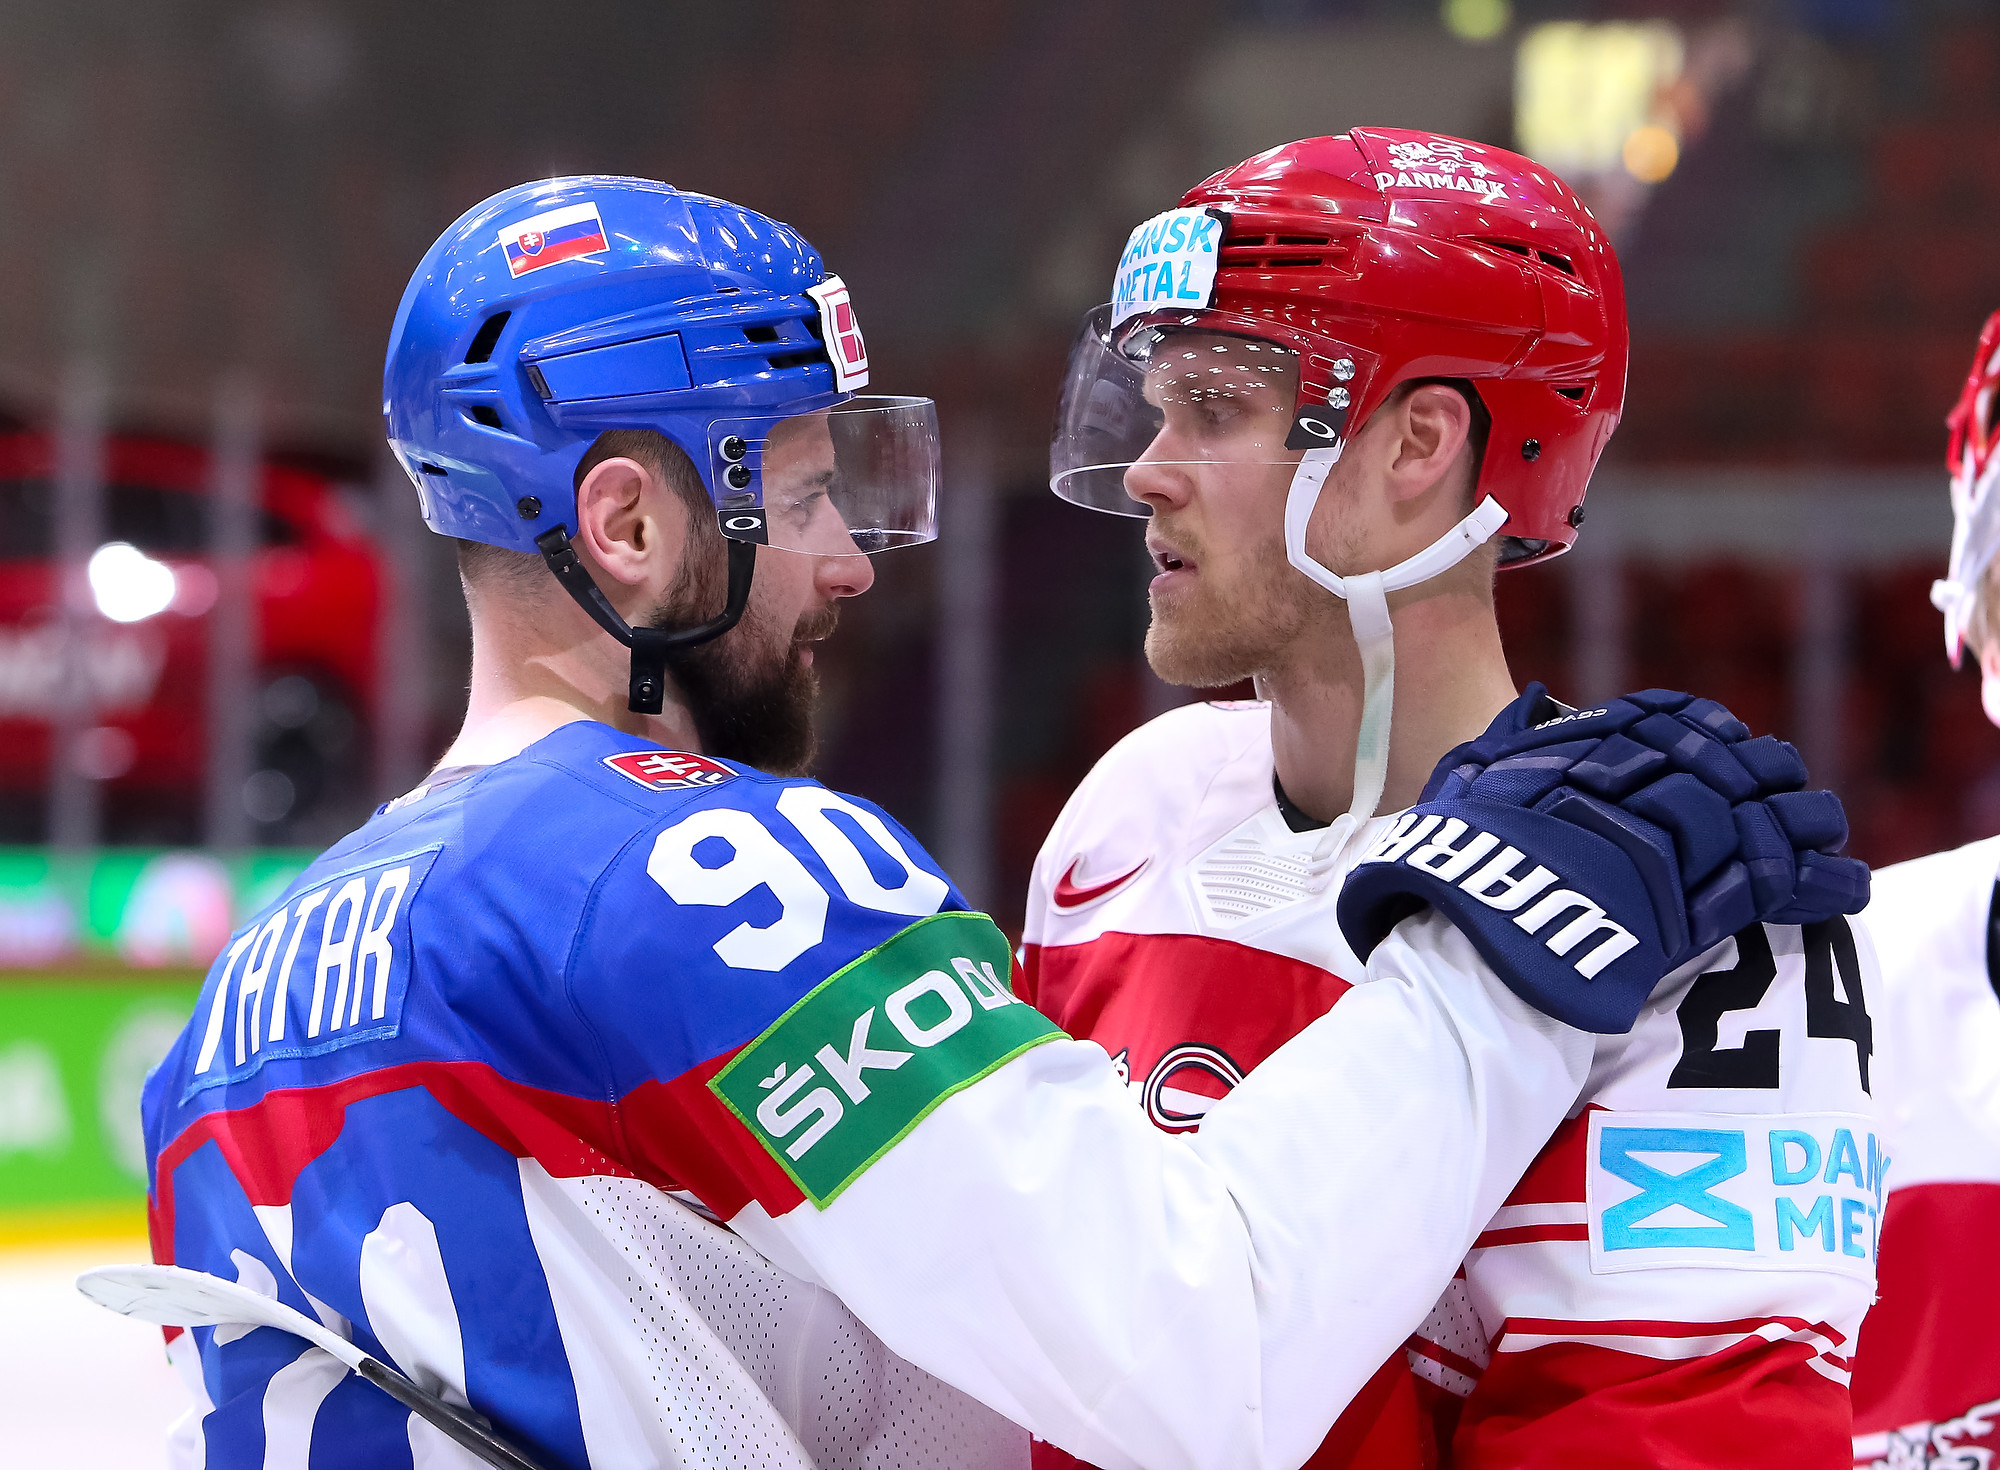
pixel 552 237
pixel 842 332
pixel 669 770
pixel 1168 262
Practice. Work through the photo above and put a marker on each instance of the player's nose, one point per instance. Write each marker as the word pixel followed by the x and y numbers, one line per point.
pixel 1159 484
pixel 844 576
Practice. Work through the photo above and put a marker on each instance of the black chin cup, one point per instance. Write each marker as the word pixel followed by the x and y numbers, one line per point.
pixel 650 646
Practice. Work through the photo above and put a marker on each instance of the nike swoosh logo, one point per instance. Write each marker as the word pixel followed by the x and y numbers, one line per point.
pixel 1068 896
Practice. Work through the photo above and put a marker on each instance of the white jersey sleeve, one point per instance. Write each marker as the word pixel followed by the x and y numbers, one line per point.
pixel 1214 1301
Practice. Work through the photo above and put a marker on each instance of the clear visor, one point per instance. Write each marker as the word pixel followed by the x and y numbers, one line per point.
pixel 857 478
pixel 1175 399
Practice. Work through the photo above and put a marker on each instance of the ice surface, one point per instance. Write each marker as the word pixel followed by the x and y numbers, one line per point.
pixel 80 1386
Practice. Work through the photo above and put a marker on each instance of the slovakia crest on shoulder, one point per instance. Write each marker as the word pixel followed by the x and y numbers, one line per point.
pixel 669 770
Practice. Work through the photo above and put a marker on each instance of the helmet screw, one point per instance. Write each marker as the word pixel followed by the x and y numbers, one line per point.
pixel 1531 450
pixel 529 507
pixel 1576 515
pixel 738 476
pixel 1343 369
pixel 733 448
pixel 1338 398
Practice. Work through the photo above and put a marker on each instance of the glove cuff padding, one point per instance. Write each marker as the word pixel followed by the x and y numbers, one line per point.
pixel 1560 913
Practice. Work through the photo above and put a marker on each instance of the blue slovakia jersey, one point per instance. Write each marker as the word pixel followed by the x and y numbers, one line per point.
pixel 466 1027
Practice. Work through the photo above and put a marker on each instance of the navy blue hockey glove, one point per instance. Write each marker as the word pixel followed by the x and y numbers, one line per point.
pixel 1588 853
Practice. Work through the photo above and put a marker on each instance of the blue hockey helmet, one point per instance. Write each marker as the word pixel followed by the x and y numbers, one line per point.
pixel 558 310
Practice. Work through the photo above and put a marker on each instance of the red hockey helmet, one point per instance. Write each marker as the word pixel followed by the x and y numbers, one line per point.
pixel 1381 256
pixel 1975 508
pixel 1291 294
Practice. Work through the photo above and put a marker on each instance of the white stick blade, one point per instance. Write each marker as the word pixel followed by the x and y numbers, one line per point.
pixel 168 1295
pixel 175 1297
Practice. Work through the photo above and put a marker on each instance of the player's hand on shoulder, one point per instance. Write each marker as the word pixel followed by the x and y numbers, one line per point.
pixel 1589 853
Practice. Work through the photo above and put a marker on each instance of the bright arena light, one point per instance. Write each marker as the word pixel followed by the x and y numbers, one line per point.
pixel 128 584
pixel 1651 152
pixel 1581 90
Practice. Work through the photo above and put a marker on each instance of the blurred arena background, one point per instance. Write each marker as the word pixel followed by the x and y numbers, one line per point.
pixel 225 635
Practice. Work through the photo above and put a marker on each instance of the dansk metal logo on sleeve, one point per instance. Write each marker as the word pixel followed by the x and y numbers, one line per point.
pixel 1785 1191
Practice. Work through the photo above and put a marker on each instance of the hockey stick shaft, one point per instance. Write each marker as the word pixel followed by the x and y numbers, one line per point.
pixel 174 1296
pixel 447 1418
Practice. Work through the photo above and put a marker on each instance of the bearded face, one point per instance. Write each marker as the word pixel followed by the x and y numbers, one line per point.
pixel 752 692
pixel 1226 603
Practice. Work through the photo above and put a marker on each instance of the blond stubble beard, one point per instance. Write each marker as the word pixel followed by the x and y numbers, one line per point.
pixel 1214 634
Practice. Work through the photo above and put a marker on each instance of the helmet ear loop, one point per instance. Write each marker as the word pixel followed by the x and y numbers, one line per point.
pixel 1975 540
pixel 647 687
pixel 1367 597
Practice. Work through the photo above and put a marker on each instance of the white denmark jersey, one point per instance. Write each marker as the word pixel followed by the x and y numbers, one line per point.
pixel 1680 1275
pixel 1927 1373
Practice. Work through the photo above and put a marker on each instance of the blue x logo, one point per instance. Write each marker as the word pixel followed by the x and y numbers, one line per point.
pixel 1732 1230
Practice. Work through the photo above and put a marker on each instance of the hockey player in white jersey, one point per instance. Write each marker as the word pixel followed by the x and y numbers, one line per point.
pixel 1927 1373
pixel 1388 362
pixel 669 1109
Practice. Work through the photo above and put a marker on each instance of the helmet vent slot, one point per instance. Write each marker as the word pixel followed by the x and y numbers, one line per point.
pixel 1279 252
pixel 796 359
pixel 485 413
pixel 1530 253
pixel 481 349
pixel 1574 395
pixel 765 333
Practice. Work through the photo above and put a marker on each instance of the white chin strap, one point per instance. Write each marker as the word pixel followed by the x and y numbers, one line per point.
pixel 1975 540
pixel 1367 597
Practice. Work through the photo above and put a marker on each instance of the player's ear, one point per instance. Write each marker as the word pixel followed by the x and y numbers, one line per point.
pixel 1432 424
pixel 629 523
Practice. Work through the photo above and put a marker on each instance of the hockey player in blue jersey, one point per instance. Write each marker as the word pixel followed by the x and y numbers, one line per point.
pixel 670 1109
